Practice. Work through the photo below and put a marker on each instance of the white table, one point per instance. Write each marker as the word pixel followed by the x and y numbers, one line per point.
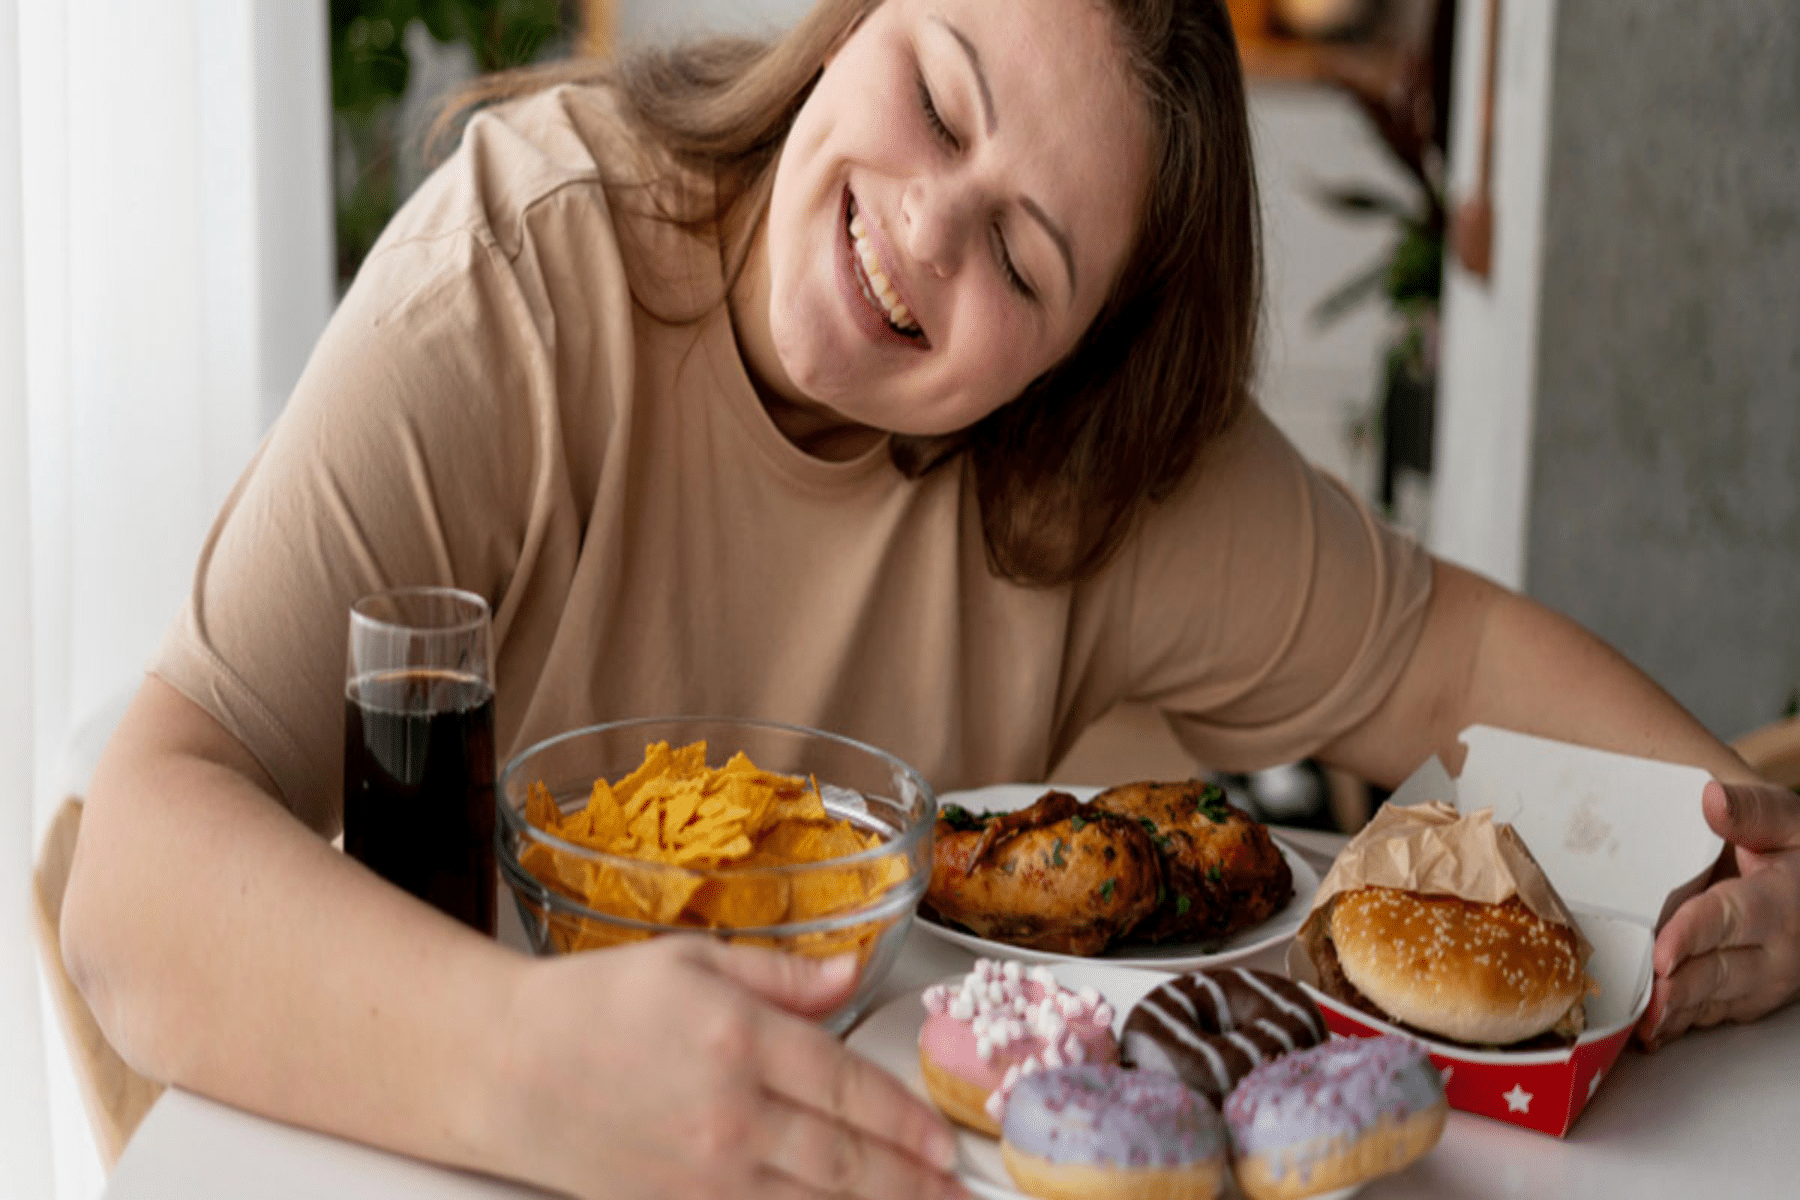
pixel 1715 1116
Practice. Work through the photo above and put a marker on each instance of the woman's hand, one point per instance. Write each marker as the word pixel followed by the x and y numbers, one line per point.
pixel 685 1067
pixel 1732 953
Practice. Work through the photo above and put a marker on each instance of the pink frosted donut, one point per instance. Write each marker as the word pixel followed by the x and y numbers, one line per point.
pixel 1333 1116
pixel 1001 1022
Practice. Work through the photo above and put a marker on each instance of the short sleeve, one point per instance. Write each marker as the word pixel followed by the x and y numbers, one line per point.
pixel 421 446
pixel 1271 610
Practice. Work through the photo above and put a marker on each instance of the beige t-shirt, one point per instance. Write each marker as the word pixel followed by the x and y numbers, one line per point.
pixel 494 406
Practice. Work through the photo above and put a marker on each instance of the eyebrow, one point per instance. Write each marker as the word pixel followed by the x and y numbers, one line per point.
pixel 992 123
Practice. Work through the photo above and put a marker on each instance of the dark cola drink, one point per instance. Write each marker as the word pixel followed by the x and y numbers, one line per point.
pixel 419 786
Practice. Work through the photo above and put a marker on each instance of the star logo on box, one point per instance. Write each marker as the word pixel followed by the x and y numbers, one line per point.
pixel 1518 1100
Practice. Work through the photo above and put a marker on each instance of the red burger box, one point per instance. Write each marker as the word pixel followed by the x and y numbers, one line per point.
pixel 1624 842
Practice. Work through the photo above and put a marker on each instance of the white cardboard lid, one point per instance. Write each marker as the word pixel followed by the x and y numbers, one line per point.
pixel 1614 833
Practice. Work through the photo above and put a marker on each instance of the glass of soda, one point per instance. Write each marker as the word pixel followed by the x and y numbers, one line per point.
pixel 419 747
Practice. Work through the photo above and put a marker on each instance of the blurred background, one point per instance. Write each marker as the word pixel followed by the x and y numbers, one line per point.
pixel 1534 290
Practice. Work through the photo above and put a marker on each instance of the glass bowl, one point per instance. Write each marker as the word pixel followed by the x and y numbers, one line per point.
pixel 861 903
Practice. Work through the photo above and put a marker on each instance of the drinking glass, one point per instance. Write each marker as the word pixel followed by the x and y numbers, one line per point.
pixel 419 747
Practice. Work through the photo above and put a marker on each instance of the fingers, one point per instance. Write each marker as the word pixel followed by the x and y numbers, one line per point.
pixel 1734 984
pixel 807 987
pixel 1756 816
pixel 824 1118
pixel 1745 911
pixel 1723 977
pixel 837 1159
pixel 807 1067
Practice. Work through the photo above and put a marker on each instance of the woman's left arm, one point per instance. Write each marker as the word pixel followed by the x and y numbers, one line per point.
pixel 1490 656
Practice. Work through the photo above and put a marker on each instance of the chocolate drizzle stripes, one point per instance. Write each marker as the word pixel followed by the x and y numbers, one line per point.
pixel 1180 996
pixel 1213 1027
pixel 1304 1011
pixel 1274 1030
pixel 1248 1045
pixel 1187 1038
pixel 1220 1017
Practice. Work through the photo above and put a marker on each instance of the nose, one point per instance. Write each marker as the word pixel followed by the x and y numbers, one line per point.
pixel 934 220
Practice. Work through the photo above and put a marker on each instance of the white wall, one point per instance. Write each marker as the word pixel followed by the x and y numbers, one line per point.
pixel 1488 376
pixel 178 261
pixel 175 270
pixel 1319 384
pixel 25 1161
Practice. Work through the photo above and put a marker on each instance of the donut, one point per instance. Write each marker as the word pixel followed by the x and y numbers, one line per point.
pixel 1211 1028
pixel 1097 1130
pixel 1000 1022
pixel 1334 1116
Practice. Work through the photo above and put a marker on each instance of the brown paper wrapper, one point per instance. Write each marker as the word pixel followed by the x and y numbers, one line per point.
pixel 1434 849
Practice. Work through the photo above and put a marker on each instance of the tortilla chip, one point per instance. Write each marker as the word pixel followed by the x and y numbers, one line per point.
pixel 675 812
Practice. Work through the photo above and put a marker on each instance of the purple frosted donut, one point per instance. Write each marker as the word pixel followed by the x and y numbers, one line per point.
pixel 1333 1116
pixel 1213 1027
pixel 1094 1128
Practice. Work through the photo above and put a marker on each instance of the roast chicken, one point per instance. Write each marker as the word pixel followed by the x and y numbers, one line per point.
pixel 1142 863
pixel 1058 876
pixel 1222 872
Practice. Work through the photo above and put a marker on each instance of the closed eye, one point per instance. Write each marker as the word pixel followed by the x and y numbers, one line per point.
pixel 1014 280
pixel 1002 256
pixel 932 118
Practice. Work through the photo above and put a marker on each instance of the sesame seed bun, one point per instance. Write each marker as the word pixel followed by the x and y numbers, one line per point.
pixel 1486 974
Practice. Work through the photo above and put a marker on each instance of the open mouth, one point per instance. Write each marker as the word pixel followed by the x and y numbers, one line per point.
pixel 876 288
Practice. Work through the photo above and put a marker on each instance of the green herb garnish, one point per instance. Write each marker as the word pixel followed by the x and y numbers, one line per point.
pixel 1213 873
pixel 1211 804
pixel 1056 853
pixel 1106 890
pixel 1077 822
pixel 961 819
pixel 1182 904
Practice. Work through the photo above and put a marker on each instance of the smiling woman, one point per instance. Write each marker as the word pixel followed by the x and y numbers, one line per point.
pixel 888 378
pixel 1059 198
pixel 915 164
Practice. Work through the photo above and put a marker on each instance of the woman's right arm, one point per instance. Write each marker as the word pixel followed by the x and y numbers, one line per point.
pixel 227 948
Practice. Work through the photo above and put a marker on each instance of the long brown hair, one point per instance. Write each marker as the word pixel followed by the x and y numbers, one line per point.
pixel 1062 472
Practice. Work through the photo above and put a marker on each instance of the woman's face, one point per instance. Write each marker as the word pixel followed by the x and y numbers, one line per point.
pixel 949 212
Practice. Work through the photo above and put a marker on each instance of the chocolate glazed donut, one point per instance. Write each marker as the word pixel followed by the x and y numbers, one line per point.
pixel 1211 1028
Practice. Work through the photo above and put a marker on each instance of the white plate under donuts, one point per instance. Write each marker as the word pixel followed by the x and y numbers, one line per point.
pixel 889 1037
pixel 1174 957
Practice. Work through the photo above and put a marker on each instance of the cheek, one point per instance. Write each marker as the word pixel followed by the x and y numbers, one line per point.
pixel 998 342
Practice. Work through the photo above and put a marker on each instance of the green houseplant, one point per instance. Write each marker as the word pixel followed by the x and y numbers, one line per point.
pixel 1408 106
pixel 370 71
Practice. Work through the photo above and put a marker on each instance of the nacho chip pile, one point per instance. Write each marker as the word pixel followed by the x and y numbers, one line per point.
pixel 683 820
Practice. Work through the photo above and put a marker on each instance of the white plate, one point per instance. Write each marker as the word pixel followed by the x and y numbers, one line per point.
pixel 889 1037
pixel 1170 956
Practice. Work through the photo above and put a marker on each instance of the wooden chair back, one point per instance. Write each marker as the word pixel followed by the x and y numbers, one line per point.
pixel 116 1097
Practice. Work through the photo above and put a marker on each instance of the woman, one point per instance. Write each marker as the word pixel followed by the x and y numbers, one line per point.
pixel 889 378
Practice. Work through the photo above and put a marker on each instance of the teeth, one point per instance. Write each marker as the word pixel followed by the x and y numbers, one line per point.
pixel 883 291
